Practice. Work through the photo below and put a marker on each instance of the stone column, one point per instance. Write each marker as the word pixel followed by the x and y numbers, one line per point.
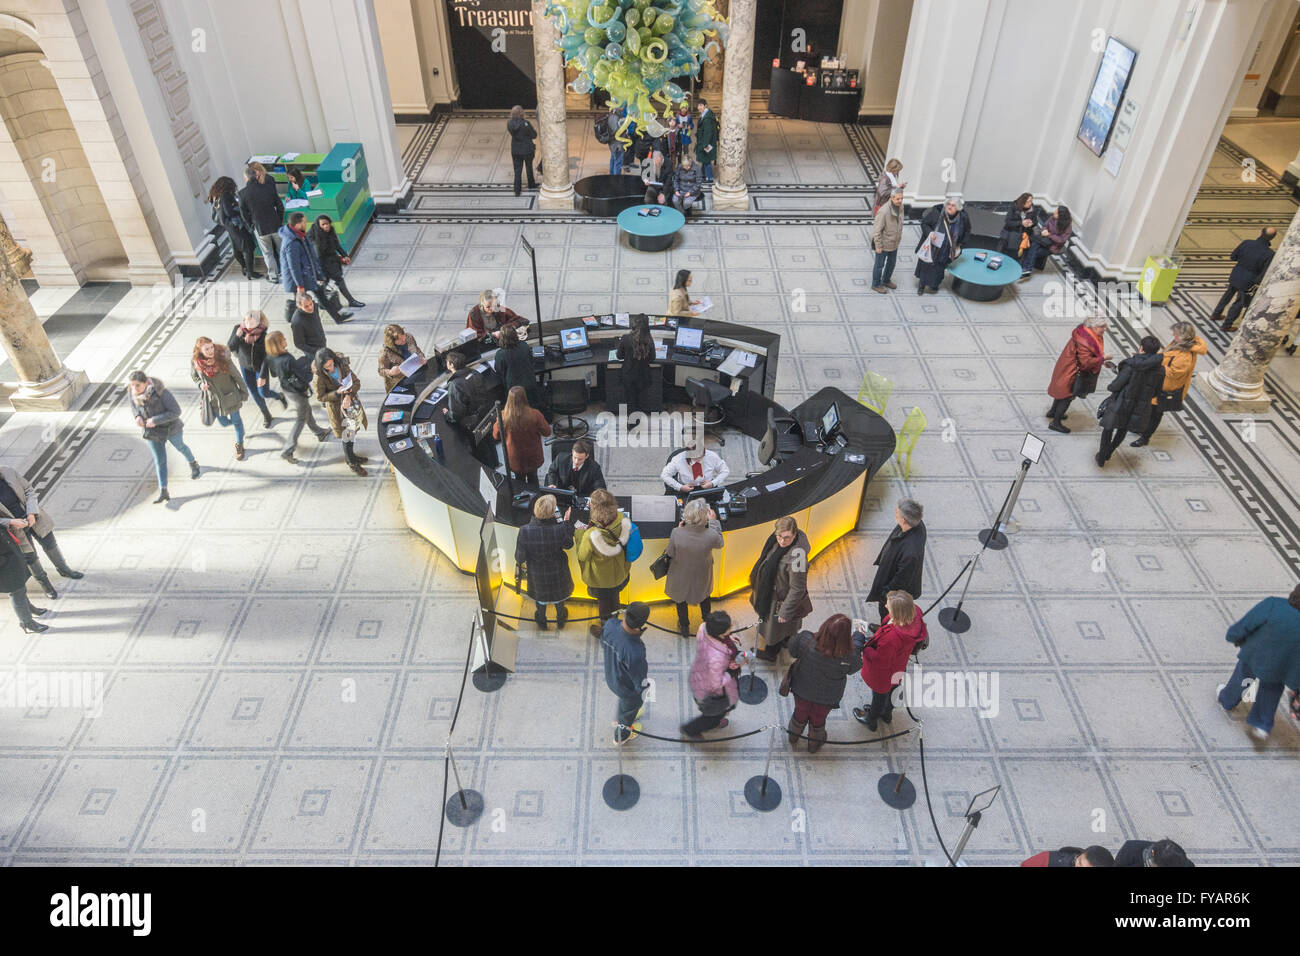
pixel 1237 383
pixel 44 385
pixel 552 132
pixel 730 191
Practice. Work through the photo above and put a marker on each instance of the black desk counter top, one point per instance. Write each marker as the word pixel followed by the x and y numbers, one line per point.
pixel 444 497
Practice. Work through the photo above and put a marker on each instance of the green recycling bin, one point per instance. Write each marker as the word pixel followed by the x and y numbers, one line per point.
pixel 1158 277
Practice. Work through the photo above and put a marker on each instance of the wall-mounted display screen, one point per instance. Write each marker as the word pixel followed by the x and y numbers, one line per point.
pixel 1107 91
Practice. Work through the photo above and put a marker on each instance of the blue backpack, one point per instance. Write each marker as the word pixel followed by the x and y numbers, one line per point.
pixel 632 550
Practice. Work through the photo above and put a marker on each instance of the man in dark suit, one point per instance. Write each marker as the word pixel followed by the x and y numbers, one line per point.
pixel 1161 853
pixel 899 564
pixel 1253 257
pixel 577 470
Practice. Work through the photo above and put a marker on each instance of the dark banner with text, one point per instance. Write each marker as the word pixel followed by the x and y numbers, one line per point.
pixel 492 46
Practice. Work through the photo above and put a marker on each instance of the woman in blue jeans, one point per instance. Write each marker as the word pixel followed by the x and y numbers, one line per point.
pixel 1269 641
pixel 214 373
pixel 248 345
pixel 157 413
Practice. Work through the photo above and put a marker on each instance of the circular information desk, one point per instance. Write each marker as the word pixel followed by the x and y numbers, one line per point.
pixel 975 280
pixel 650 233
pixel 445 497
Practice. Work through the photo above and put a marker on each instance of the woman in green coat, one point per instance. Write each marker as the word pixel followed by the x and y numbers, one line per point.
pixel 222 385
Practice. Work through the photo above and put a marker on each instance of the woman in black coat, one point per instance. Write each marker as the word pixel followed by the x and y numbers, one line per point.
pixel 329 251
pixel 225 212
pixel 247 343
pixel 1128 409
pixel 1018 231
pixel 541 549
pixel 636 350
pixel 522 149
pixel 13 581
pixel 951 224
pixel 514 363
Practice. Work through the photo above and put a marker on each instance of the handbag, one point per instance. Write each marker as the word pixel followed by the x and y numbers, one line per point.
pixel 1170 401
pixel 715 705
pixel 660 567
pixel 784 689
pixel 207 409
pixel 1085 383
pixel 1104 407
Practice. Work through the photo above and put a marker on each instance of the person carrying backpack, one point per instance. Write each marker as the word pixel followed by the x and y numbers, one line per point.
pixel 605 552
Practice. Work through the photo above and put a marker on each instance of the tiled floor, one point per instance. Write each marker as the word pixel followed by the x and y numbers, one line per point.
pixel 281 657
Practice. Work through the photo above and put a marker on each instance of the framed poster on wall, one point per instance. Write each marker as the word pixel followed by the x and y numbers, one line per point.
pixel 492 47
pixel 1107 92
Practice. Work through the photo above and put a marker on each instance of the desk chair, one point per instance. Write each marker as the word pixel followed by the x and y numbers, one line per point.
pixel 779 440
pixel 709 395
pixel 568 398
pixel 671 455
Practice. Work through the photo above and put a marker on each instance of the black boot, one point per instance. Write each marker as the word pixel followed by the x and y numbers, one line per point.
pixel 43 580
pixel 561 615
pixel 61 564
pixel 540 616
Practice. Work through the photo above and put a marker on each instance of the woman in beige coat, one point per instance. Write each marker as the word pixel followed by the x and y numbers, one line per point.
pixel 336 387
pixel 690 575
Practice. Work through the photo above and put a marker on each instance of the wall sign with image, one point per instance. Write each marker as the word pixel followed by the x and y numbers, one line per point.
pixel 1108 89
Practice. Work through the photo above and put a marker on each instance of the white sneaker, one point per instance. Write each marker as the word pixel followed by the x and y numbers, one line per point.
pixel 1217 691
pixel 1257 733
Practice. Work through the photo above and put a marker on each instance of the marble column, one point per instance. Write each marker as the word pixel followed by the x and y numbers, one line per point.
pixel 1237 383
pixel 44 384
pixel 552 132
pixel 729 189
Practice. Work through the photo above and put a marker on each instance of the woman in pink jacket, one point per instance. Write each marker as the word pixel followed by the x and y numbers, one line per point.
pixel 713 675
pixel 884 658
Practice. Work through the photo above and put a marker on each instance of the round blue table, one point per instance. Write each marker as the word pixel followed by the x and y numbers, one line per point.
pixel 650 233
pixel 975 280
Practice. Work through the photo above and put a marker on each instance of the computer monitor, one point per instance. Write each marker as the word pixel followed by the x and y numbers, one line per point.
pixel 689 340
pixel 830 423
pixel 573 340
pixel 563 496
pixel 713 494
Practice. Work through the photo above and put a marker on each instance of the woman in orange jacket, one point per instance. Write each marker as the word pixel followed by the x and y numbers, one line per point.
pixel 1180 363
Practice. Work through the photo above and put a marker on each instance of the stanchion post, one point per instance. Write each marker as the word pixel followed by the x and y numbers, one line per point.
pixel 954 619
pixel 896 790
pixel 465 806
pixel 621 792
pixel 763 793
pixel 753 689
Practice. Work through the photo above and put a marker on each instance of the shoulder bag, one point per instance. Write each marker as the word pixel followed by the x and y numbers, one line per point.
pixel 784 689
pixel 1170 400
pixel 207 408
pixel 632 550
pixel 661 564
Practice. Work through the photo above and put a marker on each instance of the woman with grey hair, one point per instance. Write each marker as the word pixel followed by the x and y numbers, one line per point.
pixel 1179 362
pixel 943 230
pixel 1077 368
pixel 690 549
pixel 901 560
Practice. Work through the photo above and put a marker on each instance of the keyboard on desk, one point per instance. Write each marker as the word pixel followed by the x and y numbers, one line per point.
pixel 572 358
pixel 679 357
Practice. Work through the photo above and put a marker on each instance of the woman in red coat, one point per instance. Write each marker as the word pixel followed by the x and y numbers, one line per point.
pixel 884 658
pixel 525 427
pixel 1076 370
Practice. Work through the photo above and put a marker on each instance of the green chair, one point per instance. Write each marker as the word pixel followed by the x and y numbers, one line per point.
pixel 913 425
pixel 875 392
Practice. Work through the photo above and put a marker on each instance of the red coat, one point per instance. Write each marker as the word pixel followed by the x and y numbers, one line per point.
pixel 885 656
pixel 1083 353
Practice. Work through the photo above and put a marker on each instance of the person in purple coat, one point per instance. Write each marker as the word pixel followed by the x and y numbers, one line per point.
pixel 713 675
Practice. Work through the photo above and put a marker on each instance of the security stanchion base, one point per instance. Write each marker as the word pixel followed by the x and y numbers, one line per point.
pixel 490 678
pixel 464 815
pixel 993 539
pixel 753 689
pixel 900 798
pixel 621 792
pixel 954 620
pixel 762 798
